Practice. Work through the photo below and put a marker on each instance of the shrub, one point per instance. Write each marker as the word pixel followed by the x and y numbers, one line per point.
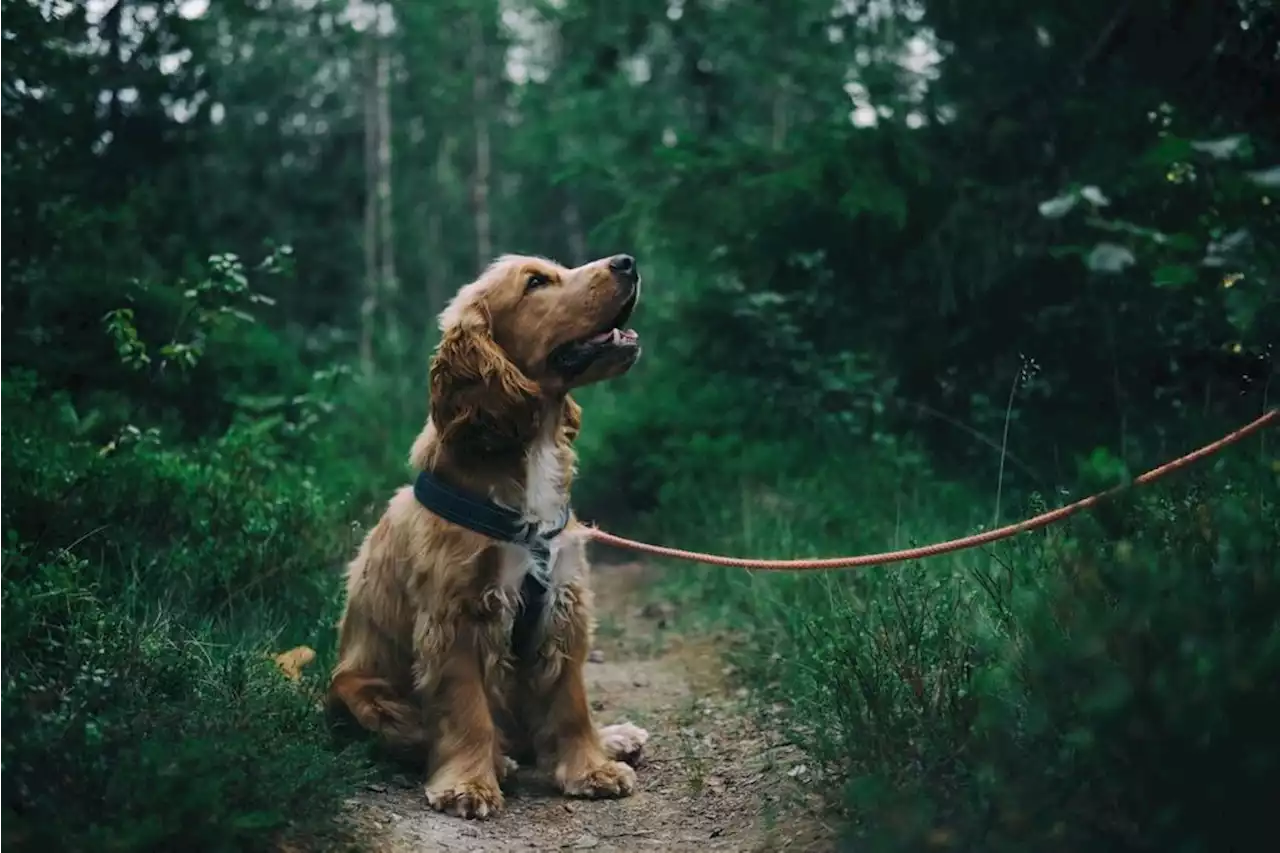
pixel 126 731
pixel 146 579
pixel 1105 684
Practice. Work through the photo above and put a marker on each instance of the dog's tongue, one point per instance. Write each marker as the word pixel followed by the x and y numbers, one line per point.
pixel 615 336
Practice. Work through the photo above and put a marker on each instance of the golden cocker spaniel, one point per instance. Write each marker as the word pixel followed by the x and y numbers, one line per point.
pixel 464 636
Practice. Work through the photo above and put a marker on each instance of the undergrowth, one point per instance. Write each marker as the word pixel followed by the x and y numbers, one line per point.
pixel 154 561
pixel 1103 684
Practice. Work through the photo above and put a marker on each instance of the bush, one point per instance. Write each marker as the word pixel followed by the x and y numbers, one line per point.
pixel 132 732
pixel 146 580
pixel 1145 656
pixel 1073 689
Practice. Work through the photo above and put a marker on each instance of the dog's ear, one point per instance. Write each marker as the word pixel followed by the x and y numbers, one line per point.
pixel 478 396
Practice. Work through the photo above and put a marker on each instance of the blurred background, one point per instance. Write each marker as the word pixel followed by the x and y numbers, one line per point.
pixel 912 268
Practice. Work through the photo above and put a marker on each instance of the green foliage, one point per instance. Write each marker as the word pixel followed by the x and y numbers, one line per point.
pixel 1106 213
pixel 149 577
pixel 897 256
pixel 1200 246
pixel 145 584
pixel 129 731
pixel 1073 689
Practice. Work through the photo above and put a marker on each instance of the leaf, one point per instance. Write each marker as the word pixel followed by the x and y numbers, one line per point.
pixel 1181 242
pixel 244 316
pixel 1094 196
pixel 1056 208
pixel 1119 226
pixel 1109 258
pixel 1268 178
pixel 1242 310
pixel 1223 249
pixel 1173 275
pixel 1222 149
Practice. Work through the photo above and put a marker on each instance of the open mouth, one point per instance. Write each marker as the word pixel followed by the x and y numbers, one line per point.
pixel 615 332
pixel 574 356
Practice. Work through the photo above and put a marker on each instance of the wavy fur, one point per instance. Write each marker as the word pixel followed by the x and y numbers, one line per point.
pixel 424 651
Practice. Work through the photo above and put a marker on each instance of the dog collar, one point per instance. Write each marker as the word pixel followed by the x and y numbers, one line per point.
pixel 489 518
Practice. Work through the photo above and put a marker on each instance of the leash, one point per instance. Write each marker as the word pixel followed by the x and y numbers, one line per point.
pixel 938 548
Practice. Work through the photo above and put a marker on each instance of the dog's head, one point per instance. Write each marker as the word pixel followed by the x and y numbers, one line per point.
pixel 529 330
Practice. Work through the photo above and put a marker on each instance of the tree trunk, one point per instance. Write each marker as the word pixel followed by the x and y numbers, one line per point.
pixel 115 73
pixel 573 230
pixel 388 285
pixel 437 262
pixel 369 306
pixel 480 176
pixel 779 136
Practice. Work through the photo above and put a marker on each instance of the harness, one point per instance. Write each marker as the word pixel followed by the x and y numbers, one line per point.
pixel 491 519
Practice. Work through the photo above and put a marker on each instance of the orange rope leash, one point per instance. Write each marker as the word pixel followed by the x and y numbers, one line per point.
pixel 1042 520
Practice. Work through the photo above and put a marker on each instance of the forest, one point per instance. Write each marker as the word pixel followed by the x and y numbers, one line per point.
pixel 913 269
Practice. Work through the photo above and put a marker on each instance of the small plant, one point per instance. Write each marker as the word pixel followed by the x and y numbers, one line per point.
pixel 149 574
pixel 120 326
pixel 222 295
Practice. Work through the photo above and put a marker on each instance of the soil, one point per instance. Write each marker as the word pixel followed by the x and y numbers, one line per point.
pixel 710 779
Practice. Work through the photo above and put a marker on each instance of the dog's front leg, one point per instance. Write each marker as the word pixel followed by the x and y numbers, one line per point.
pixel 452 670
pixel 564 734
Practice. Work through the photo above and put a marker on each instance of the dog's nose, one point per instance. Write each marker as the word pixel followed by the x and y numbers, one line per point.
pixel 623 265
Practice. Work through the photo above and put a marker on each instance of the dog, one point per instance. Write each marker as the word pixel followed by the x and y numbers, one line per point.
pixel 464 642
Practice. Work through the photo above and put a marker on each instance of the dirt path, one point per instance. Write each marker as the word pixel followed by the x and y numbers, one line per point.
pixel 710 778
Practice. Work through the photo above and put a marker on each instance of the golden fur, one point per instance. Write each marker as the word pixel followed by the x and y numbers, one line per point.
pixel 424 651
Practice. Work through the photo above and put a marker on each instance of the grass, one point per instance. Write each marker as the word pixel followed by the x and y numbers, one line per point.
pixel 1067 689
pixel 147 582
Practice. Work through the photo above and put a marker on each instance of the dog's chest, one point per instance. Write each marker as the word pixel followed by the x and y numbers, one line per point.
pixel 545 487
pixel 544 498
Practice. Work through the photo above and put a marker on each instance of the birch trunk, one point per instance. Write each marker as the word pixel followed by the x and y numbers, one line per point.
pixel 481 176
pixel 437 266
pixel 369 305
pixel 388 284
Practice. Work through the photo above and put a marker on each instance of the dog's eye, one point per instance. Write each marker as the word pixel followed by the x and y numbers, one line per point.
pixel 536 280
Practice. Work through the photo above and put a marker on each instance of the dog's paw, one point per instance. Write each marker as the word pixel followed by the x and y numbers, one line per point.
pixel 623 742
pixel 505 766
pixel 477 799
pixel 609 779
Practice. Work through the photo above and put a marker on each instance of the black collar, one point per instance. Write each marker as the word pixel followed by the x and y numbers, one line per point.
pixel 482 515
